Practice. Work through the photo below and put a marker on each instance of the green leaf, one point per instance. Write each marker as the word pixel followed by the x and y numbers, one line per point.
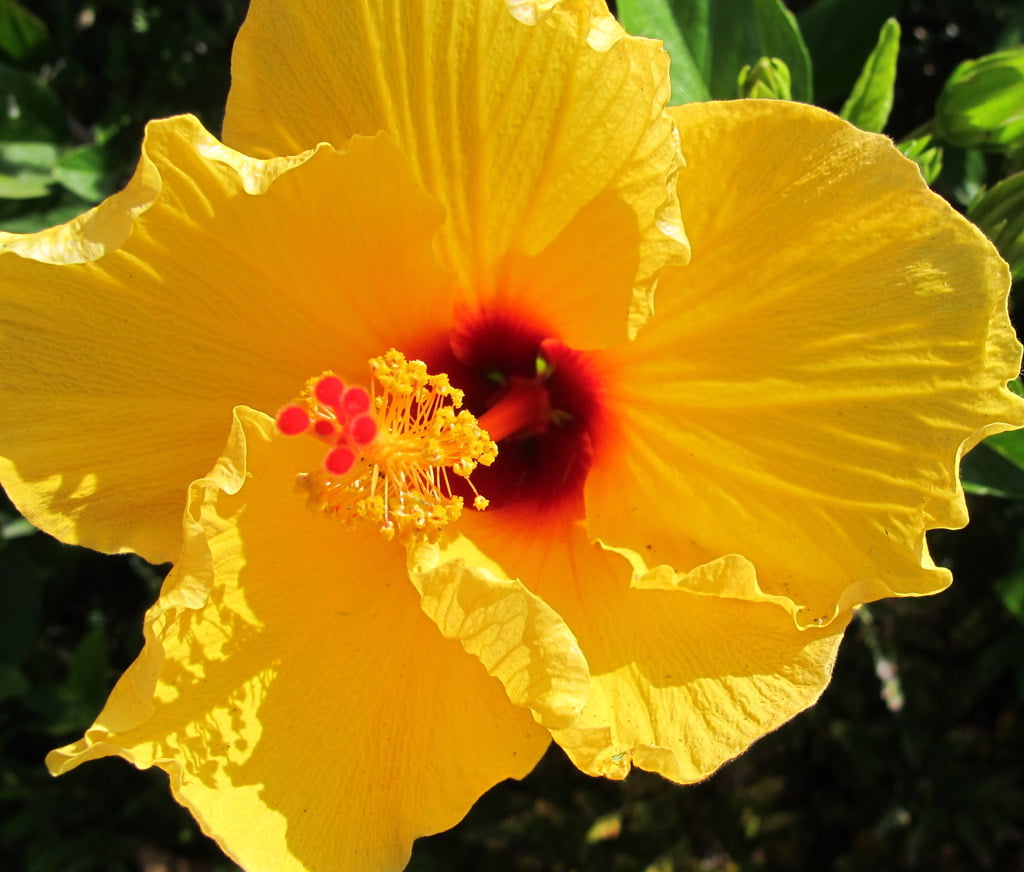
pixel 26 169
pixel 90 666
pixel 13 682
pixel 710 41
pixel 23 37
pixel 23 186
pixel 870 102
pixel 1009 446
pixel 88 683
pixel 656 19
pixel 781 38
pixel 30 112
pixel 988 473
pixel 839 33
pixel 1010 589
pixel 64 209
pixel 999 212
pixel 16 528
pixel 88 172
pixel 964 173
pixel 927 156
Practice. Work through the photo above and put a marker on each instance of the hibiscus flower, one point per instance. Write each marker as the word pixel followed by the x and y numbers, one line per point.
pixel 445 239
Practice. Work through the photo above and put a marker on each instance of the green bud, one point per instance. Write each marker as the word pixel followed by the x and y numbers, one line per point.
pixel 999 212
pixel 768 79
pixel 982 103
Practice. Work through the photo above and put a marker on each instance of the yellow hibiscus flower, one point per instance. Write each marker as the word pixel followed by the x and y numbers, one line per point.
pixel 686 504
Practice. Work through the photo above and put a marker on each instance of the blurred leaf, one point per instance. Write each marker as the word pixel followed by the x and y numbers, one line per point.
pixel 88 172
pixel 987 472
pixel 13 682
pixel 927 156
pixel 982 103
pixel 1010 589
pixel 839 34
pixel 964 175
pixel 1012 31
pixel 64 209
pixel 999 212
pixel 30 112
pixel 17 528
pixel 1009 446
pixel 26 169
pixel 24 186
pixel 768 79
pixel 90 667
pixel 82 695
pixel 870 102
pixel 710 41
pixel 23 37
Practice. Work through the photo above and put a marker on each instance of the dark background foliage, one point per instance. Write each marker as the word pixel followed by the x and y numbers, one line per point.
pixel 912 759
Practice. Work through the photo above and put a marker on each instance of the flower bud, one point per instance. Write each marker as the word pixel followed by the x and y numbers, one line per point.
pixel 767 79
pixel 982 103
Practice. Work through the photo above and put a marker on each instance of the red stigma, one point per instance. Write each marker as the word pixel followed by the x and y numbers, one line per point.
pixel 339 461
pixel 362 430
pixel 329 389
pixel 338 416
pixel 292 420
pixel 356 401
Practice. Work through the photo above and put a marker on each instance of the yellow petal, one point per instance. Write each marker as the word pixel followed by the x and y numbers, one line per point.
pixel 680 681
pixel 518 637
pixel 517 116
pixel 804 393
pixel 127 336
pixel 309 714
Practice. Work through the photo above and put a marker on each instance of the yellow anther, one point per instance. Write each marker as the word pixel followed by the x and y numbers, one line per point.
pixel 400 479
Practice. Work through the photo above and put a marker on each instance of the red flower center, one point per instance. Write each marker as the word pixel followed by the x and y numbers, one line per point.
pixel 540 400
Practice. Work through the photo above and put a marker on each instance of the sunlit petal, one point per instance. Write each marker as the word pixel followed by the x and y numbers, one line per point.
pixel 681 682
pixel 516 635
pixel 805 391
pixel 518 116
pixel 213 279
pixel 308 712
